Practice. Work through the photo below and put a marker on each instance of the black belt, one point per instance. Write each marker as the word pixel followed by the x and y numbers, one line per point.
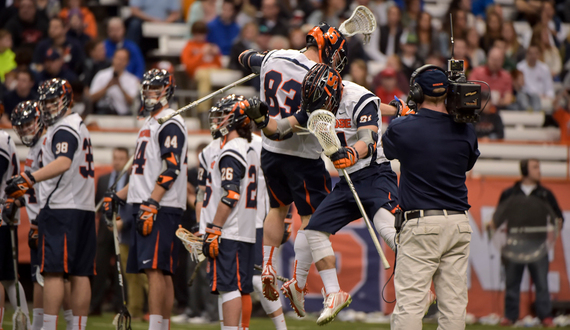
pixel 429 213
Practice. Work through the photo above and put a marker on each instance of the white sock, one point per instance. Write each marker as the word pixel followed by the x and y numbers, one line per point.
pixel 268 252
pixel 68 316
pixel 384 223
pixel 1 317
pixel 165 324
pixel 279 322
pixel 38 319
pixel 303 258
pixel 155 322
pixel 50 322
pixel 229 328
pixel 79 322
pixel 220 310
pixel 330 280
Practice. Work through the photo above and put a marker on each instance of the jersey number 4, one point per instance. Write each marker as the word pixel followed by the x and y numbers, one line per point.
pixel 273 83
pixel 140 158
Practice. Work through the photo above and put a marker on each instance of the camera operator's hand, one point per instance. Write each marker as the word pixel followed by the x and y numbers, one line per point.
pixel 402 108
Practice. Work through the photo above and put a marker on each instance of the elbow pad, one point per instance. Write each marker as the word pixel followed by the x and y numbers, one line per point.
pixel 369 137
pixel 245 59
pixel 283 132
pixel 170 170
pixel 231 194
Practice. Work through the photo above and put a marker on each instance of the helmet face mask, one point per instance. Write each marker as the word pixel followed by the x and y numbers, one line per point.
pixel 223 117
pixel 26 121
pixel 322 89
pixel 157 89
pixel 331 45
pixel 55 99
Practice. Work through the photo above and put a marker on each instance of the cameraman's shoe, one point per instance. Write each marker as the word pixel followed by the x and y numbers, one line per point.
pixel 296 296
pixel 269 283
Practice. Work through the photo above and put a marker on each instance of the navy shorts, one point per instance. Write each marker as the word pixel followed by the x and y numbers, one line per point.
pixel 159 250
pixel 6 262
pixel 34 263
pixel 376 186
pixel 233 267
pixel 67 241
pixel 294 179
pixel 258 250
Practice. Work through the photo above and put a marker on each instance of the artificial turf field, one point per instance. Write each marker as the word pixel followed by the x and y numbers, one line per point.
pixel 104 322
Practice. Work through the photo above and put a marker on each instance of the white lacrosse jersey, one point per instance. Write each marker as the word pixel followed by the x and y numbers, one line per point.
pixel 75 188
pixel 262 197
pixel 33 164
pixel 240 224
pixel 282 73
pixel 208 158
pixel 153 141
pixel 352 112
pixel 8 151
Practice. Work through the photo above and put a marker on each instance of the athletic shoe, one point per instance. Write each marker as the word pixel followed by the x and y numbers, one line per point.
pixel 505 322
pixel 180 319
pixel 431 301
pixel 269 283
pixel 548 323
pixel 296 296
pixel 334 303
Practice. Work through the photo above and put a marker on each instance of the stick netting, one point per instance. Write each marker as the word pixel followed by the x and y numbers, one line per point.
pixel 322 124
pixel 361 21
pixel 191 242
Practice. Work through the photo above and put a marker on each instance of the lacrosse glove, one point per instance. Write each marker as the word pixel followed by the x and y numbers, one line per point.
pixel 17 186
pixel 195 229
pixel 344 157
pixel 111 204
pixel 256 110
pixel 33 235
pixel 147 216
pixel 212 239
pixel 11 207
pixel 402 109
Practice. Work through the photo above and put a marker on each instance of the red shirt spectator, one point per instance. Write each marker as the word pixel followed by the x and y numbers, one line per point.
pixel 198 53
pixel 499 80
pixel 388 88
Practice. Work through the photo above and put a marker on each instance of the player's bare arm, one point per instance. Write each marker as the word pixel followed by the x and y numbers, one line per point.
pixel 53 169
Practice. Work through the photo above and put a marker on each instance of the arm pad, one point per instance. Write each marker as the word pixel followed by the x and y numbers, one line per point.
pixel 231 194
pixel 251 59
pixel 283 132
pixel 170 170
pixel 369 137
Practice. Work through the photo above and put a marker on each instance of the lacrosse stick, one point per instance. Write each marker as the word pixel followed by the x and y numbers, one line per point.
pixel 19 319
pixel 361 21
pixel 193 244
pixel 322 124
pixel 279 277
pixel 122 321
pixel 125 169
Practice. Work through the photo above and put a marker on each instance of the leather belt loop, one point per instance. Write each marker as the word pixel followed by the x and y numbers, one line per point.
pixel 445 212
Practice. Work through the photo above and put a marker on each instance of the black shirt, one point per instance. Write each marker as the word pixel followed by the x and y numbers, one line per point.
pixel 540 191
pixel 434 154
pixel 11 100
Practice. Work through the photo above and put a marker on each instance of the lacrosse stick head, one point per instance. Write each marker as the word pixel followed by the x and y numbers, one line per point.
pixel 331 44
pixel 122 321
pixel 361 21
pixel 321 89
pixel 19 320
pixel 191 242
pixel 322 124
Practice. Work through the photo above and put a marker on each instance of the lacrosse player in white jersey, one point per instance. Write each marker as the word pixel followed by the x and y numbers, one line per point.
pixel 157 190
pixel 66 221
pixel 309 183
pixel 229 210
pixel 9 166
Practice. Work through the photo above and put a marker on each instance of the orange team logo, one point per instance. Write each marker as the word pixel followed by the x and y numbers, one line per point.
pixel 333 80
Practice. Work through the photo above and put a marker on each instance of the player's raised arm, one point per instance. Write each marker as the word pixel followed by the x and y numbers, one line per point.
pixel 251 59
pixel 277 130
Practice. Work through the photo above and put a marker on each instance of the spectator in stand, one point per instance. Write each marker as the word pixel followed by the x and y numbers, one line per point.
pixel 391 33
pixel 466 6
pixel 74 7
pixel 462 53
pixel 499 80
pixel 297 38
pixel 402 82
pixel 200 11
pixel 356 52
pixel 95 62
pixel 508 64
pixel 515 51
pixel 490 125
pixel 409 55
pixel 279 42
pixel 427 39
pixel 474 51
pixel 388 88
pixel 7 56
pixel 69 48
pixel 493 30
pixel 116 39
pixel 411 14
pixel 224 30
pixel 75 28
pixel 549 54
pixel 24 91
pixel 164 11
pixel 435 59
pixel 246 41
pixel 529 10
pixel 331 11
pixel 29 26
pixel 557 33
pixel 459 31
pixel 359 73
pixel 8 11
pixel 271 19
pixel 538 79
pixel 114 89
pixel 524 100
pixel 479 7
pixel 54 67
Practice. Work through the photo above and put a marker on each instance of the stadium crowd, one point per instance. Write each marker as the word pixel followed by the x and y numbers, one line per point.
pixel 104 57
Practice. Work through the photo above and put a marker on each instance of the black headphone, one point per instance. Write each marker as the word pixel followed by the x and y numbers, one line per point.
pixel 524 167
pixel 416 93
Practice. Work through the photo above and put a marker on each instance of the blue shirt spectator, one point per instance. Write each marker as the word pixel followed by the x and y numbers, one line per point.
pixel 116 40
pixel 160 10
pixel 479 7
pixel 223 30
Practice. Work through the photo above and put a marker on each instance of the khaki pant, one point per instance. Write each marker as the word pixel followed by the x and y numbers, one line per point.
pixel 204 87
pixel 432 248
pixel 137 285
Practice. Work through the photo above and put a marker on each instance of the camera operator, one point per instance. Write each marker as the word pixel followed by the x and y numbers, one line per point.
pixel 434 153
pixel 527 207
